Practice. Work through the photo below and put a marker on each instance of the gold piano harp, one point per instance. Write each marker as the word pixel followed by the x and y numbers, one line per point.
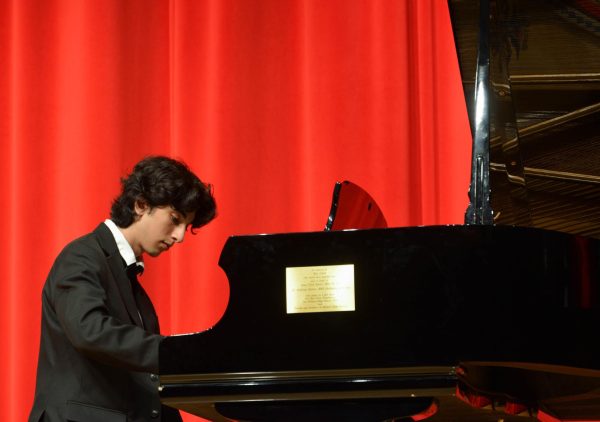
pixel 324 288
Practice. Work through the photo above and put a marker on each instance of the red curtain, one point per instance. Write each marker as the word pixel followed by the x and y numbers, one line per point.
pixel 272 101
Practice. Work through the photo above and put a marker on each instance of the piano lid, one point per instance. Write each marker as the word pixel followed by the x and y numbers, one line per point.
pixel 542 105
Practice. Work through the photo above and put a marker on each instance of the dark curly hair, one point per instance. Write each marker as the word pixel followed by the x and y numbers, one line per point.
pixel 163 181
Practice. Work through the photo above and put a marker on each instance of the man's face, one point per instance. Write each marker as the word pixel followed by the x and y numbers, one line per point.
pixel 157 229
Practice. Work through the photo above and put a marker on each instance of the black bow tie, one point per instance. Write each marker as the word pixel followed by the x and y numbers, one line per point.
pixel 133 270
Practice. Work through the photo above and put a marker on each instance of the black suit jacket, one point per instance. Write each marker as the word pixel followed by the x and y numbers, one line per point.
pixel 96 362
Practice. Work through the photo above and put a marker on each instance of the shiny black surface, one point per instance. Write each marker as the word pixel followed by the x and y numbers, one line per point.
pixel 289 385
pixel 426 295
pixel 353 208
pixel 479 210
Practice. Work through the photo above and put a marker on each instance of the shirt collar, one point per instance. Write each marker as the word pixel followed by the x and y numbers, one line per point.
pixel 124 247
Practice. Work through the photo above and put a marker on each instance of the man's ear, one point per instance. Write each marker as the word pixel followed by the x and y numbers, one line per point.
pixel 140 207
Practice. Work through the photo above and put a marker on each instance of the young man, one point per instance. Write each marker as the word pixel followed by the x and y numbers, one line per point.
pixel 99 341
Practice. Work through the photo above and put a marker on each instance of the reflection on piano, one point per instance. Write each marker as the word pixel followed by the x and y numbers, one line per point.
pixel 496 319
pixel 353 208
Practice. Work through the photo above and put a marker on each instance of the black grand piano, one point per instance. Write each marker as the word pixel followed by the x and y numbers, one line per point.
pixel 497 319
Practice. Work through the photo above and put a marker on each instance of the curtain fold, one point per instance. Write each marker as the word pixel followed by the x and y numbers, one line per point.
pixel 271 101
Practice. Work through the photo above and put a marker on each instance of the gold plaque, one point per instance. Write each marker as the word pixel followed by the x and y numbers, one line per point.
pixel 326 288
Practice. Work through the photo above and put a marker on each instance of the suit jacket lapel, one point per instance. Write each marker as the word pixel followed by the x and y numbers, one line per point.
pixel 115 262
pixel 147 312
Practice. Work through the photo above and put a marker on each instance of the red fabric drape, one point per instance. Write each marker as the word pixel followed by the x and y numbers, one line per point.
pixel 272 101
